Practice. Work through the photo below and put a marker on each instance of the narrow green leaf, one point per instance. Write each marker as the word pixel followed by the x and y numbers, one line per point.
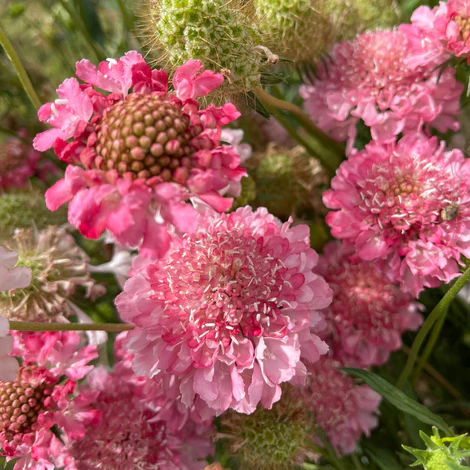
pixel 382 457
pixel 255 104
pixel 91 20
pixel 398 399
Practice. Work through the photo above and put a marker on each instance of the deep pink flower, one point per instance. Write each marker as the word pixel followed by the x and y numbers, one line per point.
pixel 345 411
pixel 406 206
pixel 447 24
pixel 131 434
pixel 368 313
pixel 369 79
pixel 228 310
pixel 39 398
pixel 137 154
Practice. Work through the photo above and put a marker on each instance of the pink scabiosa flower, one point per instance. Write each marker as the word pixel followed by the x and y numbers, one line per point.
pixel 228 310
pixel 369 79
pixel 137 154
pixel 448 24
pixel 133 435
pixel 10 278
pixel 368 313
pixel 40 398
pixel 406 206
pixel 345 411
pixel 19 162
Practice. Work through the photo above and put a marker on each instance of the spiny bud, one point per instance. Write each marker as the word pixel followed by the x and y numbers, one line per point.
pixel 275 439
pixel 303 30
pixel 440 456
pixel 287 182
pixel 220 33
pixel 26 209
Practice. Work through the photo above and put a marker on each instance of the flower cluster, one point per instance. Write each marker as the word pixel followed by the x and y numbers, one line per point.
pixel 138 153
pixel 228 311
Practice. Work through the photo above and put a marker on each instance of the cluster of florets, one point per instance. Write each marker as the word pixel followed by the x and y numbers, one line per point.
pixel 138 153
pixel 228 311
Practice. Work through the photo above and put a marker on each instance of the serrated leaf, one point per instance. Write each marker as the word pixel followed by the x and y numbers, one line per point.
pixel 398 399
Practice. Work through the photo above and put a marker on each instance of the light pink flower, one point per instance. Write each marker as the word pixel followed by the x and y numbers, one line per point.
pixel 133 435
pixel 137 154
pixel 369 79
pixel 447 25
pixel 406 206
pixel 345 411
pixel 228 311
pixel 368 313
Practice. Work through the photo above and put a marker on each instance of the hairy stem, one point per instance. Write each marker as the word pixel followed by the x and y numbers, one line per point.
pixel 438 310
pixel 36 326
pixel 20 70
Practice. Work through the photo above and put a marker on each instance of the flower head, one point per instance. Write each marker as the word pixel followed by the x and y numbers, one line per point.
pixel 407 206
pixel 228 311
pixel 368 313
pixel 59 268
pixel 369 79
pixel 137 154
pixel 131 434
pixel 345 411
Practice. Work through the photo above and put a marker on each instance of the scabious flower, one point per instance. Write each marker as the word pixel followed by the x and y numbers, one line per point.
pixel 19 162
pixel 228 311
pixel 405 206
pixel 131 434
pixel 343 410
pixel 59 269
pixel 368 313
pixel 447 24
pixel 369 79
pixel 136 155
pixel 41 398
pixel 10 278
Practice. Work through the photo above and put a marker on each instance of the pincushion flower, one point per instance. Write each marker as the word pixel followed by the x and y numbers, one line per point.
pixel 138 153
pixel 405 206
pixel 368 313
pixel 132 435
pixel 369 79
pixel 345 411
pixel 40 398
pixel 448 24
pixel 228 311
pixel 10 278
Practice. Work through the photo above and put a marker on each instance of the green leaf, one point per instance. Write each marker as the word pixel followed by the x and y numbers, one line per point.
pixel 382 457
pixel 398 399
pixel 254 103
pixel 91 20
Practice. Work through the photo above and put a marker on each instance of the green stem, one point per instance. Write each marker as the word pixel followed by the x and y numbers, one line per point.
pixel 20 70
pixel 438 310
pixel 35 326
pixel 436 331
pixel 330 453
pixel 304 120
pixel 125 15
pixel 356 462
pixel 86 34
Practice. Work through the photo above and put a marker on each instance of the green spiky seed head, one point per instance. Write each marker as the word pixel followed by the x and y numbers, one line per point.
pixel 275 439
pixel 220 33
pixel 445 453
pixel 248 193
pixel 286 181
pixel 24 210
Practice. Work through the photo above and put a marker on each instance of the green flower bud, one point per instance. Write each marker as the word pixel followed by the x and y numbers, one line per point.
pixel 440 456
pixel 25 210
pixel 220 33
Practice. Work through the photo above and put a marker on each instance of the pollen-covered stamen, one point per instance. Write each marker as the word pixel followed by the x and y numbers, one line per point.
pixel 223 285
pixel 464 26
pixel 145 136
pixel 22 401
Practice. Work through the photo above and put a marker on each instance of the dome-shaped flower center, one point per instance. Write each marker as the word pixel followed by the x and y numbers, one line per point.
pixel 22 401
pixel 223 284
pixel 417 195
pixel 463 24
pixel 145 136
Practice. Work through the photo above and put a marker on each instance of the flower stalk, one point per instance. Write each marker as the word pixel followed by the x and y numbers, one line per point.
pixel 37 326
